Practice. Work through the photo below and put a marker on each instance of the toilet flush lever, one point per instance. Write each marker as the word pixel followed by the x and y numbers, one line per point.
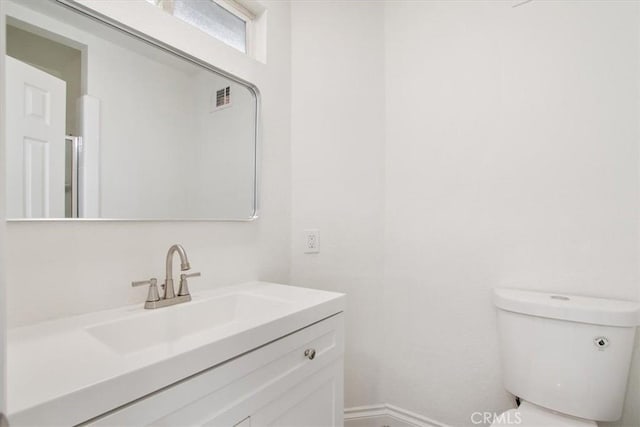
pixel 184 286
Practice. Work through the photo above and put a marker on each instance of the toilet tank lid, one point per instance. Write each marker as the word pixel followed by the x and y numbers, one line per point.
pixel 598 311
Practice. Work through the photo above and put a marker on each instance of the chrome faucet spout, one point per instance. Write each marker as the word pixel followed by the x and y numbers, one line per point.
pixel 169 291
pixel 169 298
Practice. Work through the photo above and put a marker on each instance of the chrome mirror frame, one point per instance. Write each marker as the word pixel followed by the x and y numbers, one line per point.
pixel 112 23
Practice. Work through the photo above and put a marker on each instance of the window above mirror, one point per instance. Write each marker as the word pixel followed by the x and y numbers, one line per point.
pixel 226 20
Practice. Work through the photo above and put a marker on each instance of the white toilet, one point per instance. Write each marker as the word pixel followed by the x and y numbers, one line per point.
pixel 566 357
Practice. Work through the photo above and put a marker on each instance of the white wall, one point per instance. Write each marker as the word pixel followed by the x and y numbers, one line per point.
pixel 512 132
pixel 338 165
pixel 147 125
pixel 223 171
pixel 511 159
pixel 61 268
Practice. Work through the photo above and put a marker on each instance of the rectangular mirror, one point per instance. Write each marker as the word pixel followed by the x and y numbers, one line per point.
pixel 104 124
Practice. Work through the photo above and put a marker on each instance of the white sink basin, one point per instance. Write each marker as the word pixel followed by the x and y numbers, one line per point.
pixel 181 323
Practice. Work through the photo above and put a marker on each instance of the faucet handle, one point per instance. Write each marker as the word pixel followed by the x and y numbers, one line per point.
pixel 184 286
pixel 153 288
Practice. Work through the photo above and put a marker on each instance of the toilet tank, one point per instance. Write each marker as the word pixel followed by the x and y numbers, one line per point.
pixel 567 353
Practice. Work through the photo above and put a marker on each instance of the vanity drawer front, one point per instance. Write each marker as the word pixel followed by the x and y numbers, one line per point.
pixel 226 394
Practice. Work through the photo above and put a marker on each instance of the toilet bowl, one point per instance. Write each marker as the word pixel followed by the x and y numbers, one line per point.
pixel 566 357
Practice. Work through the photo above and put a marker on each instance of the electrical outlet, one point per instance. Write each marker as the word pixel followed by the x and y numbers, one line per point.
pixel 311 241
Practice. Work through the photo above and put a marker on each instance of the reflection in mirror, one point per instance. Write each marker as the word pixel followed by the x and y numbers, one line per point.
pixel 102 124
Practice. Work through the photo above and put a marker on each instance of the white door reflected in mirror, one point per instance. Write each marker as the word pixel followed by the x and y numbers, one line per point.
pixel 35 142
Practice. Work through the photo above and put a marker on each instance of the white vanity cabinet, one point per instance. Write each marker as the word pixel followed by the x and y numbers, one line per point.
pixel 234 355
pixel 276 384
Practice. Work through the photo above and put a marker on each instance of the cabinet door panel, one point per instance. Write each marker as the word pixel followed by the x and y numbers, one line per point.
pixel 314 402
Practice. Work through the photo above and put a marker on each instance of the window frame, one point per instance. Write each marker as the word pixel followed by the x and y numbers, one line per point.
pixel 235 8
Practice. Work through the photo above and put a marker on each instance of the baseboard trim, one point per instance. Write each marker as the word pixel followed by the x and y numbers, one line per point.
pixel 365 411
pixel 385 411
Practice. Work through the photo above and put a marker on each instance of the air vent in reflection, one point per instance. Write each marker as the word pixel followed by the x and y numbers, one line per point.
pixel 223 97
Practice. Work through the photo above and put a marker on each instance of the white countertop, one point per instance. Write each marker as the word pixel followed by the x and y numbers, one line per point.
pixel 60 369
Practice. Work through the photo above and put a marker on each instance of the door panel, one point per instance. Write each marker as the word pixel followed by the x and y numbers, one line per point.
pixel 314 402
pixel 35 145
